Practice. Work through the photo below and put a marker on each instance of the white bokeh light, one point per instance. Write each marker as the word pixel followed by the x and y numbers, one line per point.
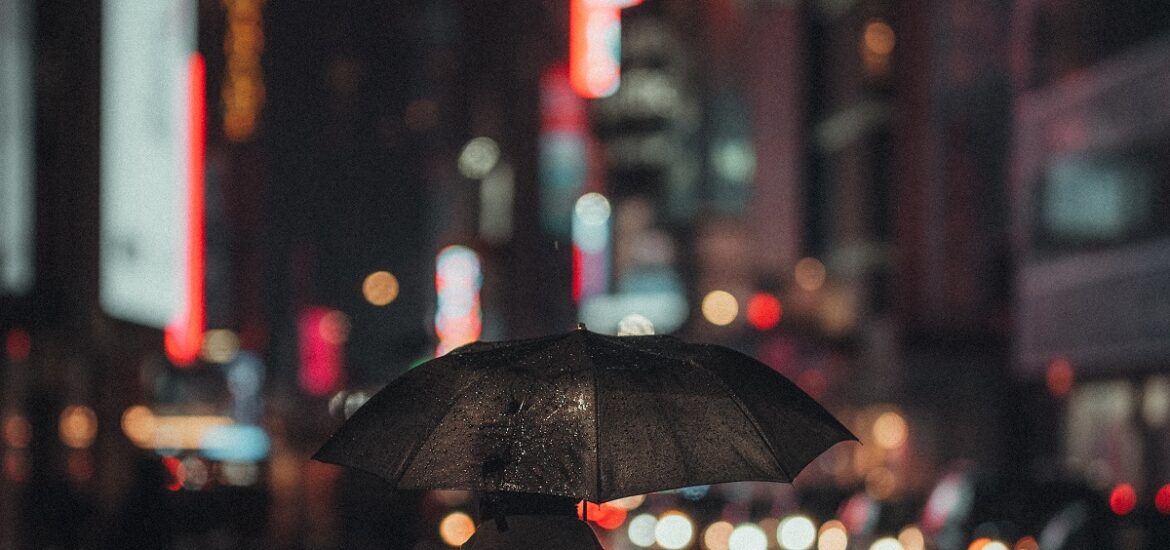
pixel 796 533
pixel 641 530
pixel 748 536
pixel 674 531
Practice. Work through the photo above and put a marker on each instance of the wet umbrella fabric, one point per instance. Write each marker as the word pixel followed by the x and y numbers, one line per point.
pixel 586 416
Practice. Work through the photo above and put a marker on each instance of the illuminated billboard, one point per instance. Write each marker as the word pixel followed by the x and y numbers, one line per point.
pixel 147 163
pixel 16 148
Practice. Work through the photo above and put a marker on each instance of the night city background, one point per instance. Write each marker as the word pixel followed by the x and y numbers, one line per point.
pixel 224 224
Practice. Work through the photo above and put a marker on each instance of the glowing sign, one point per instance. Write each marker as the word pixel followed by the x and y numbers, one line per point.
pixel 147 151
pixel 184 334
pixel 458 315
pixel 323 333
pixel 595 37
pixel 591 246
pixel 243 82
pixel 235 443
pixel 16 143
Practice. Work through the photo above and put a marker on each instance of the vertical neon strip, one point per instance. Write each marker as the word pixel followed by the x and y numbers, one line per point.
pixel 184 335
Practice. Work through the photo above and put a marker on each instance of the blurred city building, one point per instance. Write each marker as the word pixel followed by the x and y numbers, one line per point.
pixel 225 223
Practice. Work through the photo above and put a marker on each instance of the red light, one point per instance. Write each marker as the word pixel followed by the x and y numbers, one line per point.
pixel 604 515
pixel 594 47
pixel 322 337
pixel 577 274
pixel 18 345
pixel 560 109
pixel 183 336
pixel 1059 377
pixel 1162 500
pixel 764 311
pixel 1123 499
pixel 178 474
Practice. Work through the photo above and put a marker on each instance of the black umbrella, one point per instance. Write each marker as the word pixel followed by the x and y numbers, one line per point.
pixel 586 416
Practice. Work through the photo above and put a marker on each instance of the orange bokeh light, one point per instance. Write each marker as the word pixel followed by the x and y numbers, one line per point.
pixel 606 516
pixel 1027 543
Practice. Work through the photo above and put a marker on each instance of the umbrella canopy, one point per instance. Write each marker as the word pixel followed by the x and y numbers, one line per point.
pixel 586 416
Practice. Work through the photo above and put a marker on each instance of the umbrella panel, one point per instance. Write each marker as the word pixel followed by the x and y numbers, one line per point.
pixel 585 416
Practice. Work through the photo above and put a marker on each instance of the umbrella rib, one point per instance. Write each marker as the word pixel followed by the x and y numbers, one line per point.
pixel 750 418
pixel 596 433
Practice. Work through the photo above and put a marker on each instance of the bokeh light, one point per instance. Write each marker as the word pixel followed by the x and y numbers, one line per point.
pixel 720 307
pixel 478 157
pixel 912 538
pixel 456 528
pixel 1027 543
pixel 605 515
pixel 17 345
pixel 747 536
pixel 890 431
pixel 764 311
pixel 77 426
pixel 593 209
pixel 174 466
pixel 810 274
pixel 1122 499
pixel 833 536
pixel 635 324
pixel 239 474
pixel 886 543
pixel 674 530
pixel 334 327
pixel 17 432
pixel 380 288
pixel 219 346
pixel 458 315
pixel 197 473
pixel 138 424
pixel 1059 377
pixel 717 535
pixel 879 37
pixel 979 543
pixel 641 530
pixel 796 533
pixel 1162 500
pixel 1156 401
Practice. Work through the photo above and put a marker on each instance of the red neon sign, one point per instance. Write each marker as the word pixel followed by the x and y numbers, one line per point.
pixel 183 336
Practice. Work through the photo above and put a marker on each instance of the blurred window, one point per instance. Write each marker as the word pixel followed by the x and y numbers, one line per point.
pixel 1102 199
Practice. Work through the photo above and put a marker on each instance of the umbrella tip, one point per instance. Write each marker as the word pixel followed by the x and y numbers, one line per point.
pixel 580 326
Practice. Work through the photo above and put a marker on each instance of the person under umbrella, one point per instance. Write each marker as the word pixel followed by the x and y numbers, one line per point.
pixel 517 521
pixel 585 416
